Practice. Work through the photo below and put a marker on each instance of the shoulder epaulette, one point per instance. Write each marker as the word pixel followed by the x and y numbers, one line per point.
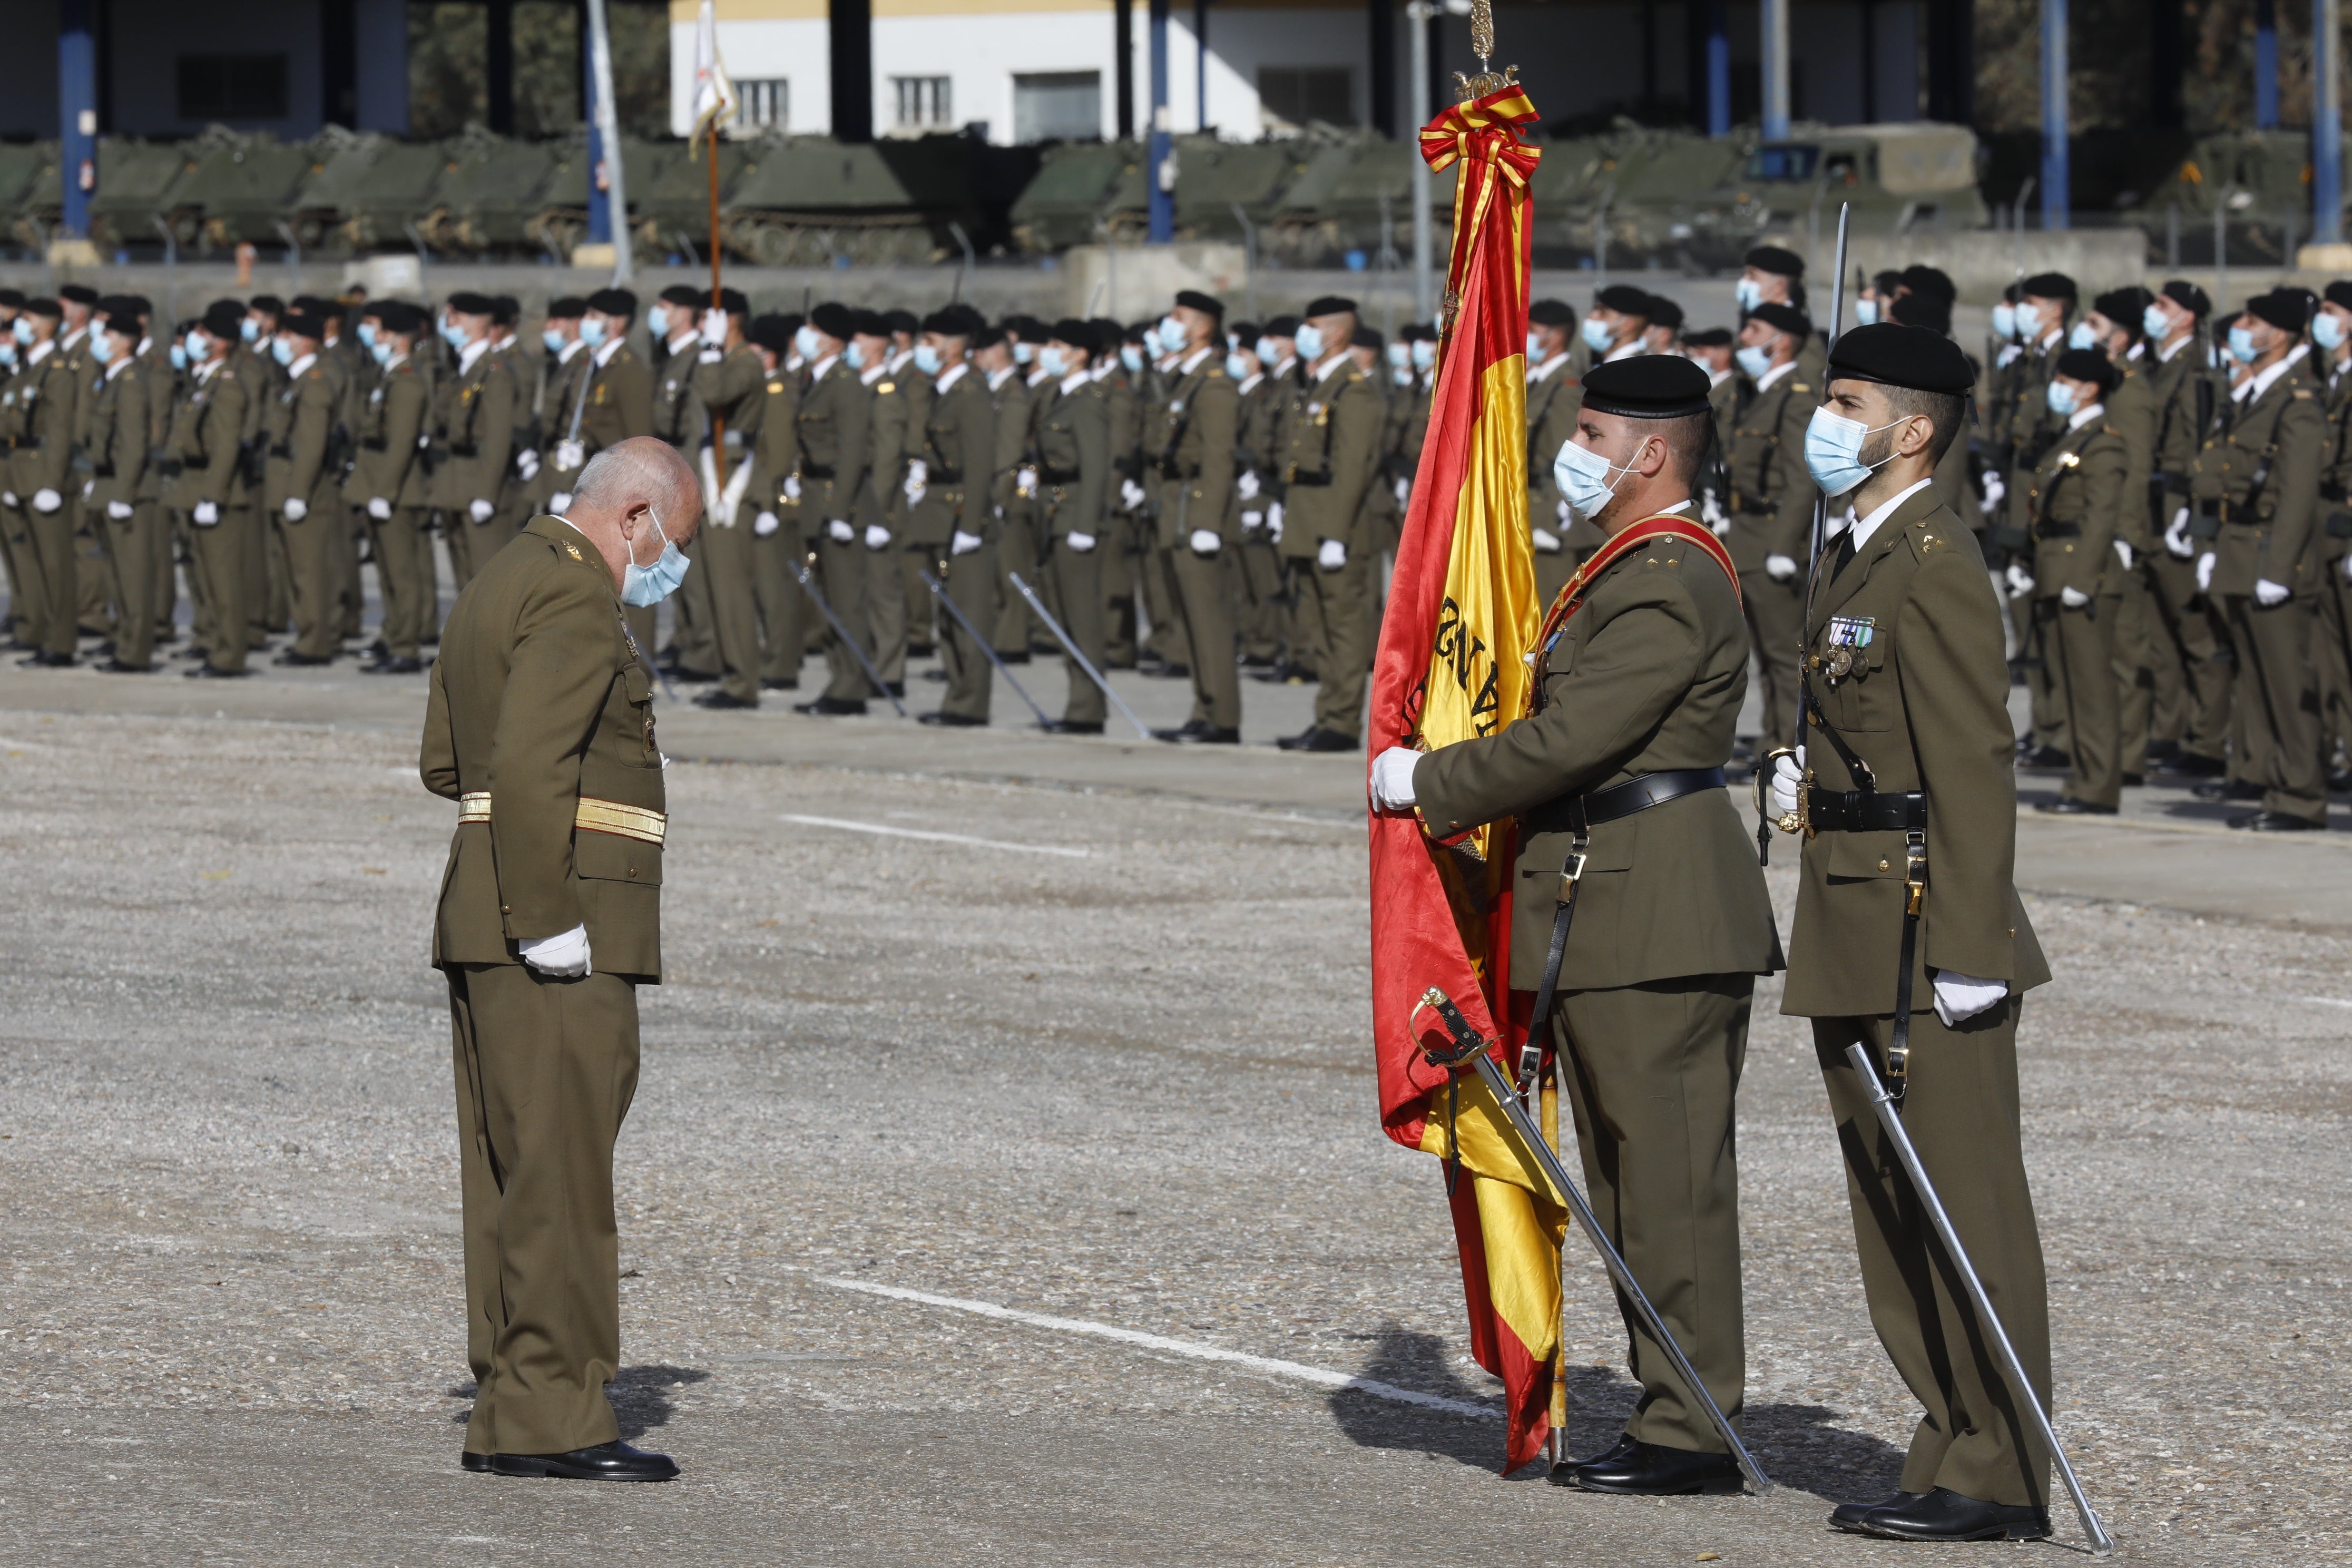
pixel 883 386
pixel 1800 387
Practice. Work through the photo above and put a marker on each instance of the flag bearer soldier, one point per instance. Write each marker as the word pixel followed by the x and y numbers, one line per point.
pixel 1188 436
pixel 731 382
pixel 778 539
pixel 836 412
pixel 303 440
pixel 204 465
pixel 1772 501
pixel 1074 478
pixel 1553 394
pixel 476 410
pixel 1331 454
pixel 2258 480
pixel 2191 714
pixel 2331 333
pixel 1620 768
pixel 388 484
pixel 955 454
pixel 118 437
pixel 1909 934
pixel 44 400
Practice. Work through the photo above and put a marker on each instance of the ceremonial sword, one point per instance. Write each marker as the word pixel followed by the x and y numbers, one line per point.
pixel 808 582
pixel 1471 1048
pixel 1141 731
pixel 939 593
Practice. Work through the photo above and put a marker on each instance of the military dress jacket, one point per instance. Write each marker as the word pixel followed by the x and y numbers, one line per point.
pixel 620 402
pixel 391 420
pixel 2072 506
pixel 2258 480
pixel 1924 705
pixel 835 412
pixel 474 416
pixel 538 722
pixel 1016 443
pixel 1074 471
pixel 2133 409
pixel 202 455
pixel 890 426
pixel 1187 441
pixel 1771 500
pixel 959 448
pixel 298 425
pixel 116 431
pixel 775 449
pixel 48 400
pixel 1647 676
pixel 1330 455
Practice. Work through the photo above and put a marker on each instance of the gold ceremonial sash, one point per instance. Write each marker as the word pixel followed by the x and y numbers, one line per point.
pixel 593 816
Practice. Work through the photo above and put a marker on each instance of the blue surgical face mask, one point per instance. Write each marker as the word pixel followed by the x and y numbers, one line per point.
pixel 591 330
pixel 1132 357
pixel 101 347
pixel 2242 344
pixel 1424 353
pixel 1237 367
pixel 453 334
pixel 2327 331
pixel 1535 347
pixel 1833 451
pixel 647 585
pixel 1024 353
pixel 1053 360
pixel 2082 337
pixel 855 356
pixel 1583 476
pixel 2004 320
pixel 282 351
pixel 1755 359
pixel 200 345
pixel 1401 355
pixel 2029 321
pixel 553 340
pixel 926 359
pixel 1309 339
pixel 1598 337
pixel 1748 292
pixel 383 353
pixel 2154 323
pixel 1269 353
pixel 2061 398
pixel 1866 312
pixel 367 334
pixel 657 320
pixel 1172 335
pixel 24 330
pixel 8 350
pixel 249 330
pixel 179 356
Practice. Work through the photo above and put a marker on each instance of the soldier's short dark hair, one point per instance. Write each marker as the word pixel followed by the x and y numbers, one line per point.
pixel 1948 411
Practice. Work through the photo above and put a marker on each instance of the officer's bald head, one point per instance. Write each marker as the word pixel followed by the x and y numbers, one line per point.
pixel 628 492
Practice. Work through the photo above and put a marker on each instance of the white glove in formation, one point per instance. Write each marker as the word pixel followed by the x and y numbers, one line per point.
pixel 1959 996
pixel 919 474
pixel 47 500
pixel 7 497
pixel 2176 537
pixel 1710 512
pixel 2123 554
pixel 296 509
pixel 1332 555
pixel 2072 598
pixel 1547 540
pixel 569 455
pixel 527 464
pixel 1274 523
pixel 959 543
pixel 2205 573
pixel 206 514
pixel 560 502
pixel 1247 486
pixel 1993 489
pixel 876 536
pixel 841 531
pixel 479 509
pixel 1788 778
pixel 565 955
pixel 1392 779
pixel 1025 481
pixel 1779 568
pixel 714 326
pixel 2267 593
pixel 119 510
pixel 1131 494
pixel 764 524
pixel 380 509
pixel 1081 543
pixel 2020 583
pixel 792 487
pixel 1256 520
pixel 1403 494
pixel 1205 541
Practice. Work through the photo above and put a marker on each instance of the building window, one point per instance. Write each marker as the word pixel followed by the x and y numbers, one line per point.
pixel 232 87
pixel 1291 95
pixel 768 101
pixel 1057 106
pixel 925 102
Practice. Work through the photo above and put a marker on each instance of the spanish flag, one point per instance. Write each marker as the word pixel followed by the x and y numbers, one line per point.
pixel 1462 617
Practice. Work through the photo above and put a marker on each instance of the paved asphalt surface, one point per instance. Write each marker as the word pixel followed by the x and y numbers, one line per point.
pixel 1099 1059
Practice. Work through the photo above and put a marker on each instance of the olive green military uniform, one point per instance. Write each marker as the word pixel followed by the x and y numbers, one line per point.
pixel 46 399
pixel 1021 514
pixel 1331 455
pixel 957 446
pixel 780 538
pixel 476 411
pixel 163 394
pixel 913 555
pixel 1188 442
pixel 117 433
pixel 96 601
pixel 301 428
pixel 1554 397
pixel 386 471
pixel 267 602
pixel 618 403
pixel 678 420
pixel 836 416
pixel 2031 429
pixel 1772 515
pixel 2260 481
pixel 565 383
pixel 2332 544
pixel 2192 695
pixel 2071 506
pixel 881 503
pixel 204 461
pixel 1075 480
pixel 1923 704
pixel 539 724
pixel 1256 581
pixel 1128 542
pixel 733 388
pixel 2132 410
pixel 1671 926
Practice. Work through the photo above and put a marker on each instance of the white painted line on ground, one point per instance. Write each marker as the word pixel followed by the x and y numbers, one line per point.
pixel 849 826
pixel 1320 1375
pixel 2324 1001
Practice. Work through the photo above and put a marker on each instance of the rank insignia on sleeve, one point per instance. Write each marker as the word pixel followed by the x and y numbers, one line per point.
pixel 1852 631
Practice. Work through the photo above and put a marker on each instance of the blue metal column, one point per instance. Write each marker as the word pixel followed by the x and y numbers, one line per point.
pixel 2056 203
pixel 76 114
pixel 1774 15
pixel 1160 160
pixel 2326 126
pixel 600 211
pixel 2266 65
pixel 1718 68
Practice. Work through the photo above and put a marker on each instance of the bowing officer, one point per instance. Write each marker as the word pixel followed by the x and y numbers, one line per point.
pixel 1909 937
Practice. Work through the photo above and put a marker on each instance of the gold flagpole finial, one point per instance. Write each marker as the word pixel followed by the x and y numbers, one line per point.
pixel 1482 43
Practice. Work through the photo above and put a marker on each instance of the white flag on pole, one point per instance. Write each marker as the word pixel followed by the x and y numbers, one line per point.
pixel 714 95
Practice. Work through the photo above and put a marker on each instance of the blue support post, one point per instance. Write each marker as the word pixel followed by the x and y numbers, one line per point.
pixel 1774 16
pixel 2266 110
pixel 1159 160
pixel 2056 201
pixel 600 209
pixel 76 114
pixel 1718 68
pixel 2326 127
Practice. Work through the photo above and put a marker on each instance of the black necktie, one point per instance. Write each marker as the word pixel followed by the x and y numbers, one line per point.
pixel 1845 553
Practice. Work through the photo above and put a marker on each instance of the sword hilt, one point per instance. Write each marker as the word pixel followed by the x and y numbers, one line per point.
pixel 1469 1044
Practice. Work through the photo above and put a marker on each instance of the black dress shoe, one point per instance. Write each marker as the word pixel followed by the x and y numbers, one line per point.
pixel 1651 1469
pixel 1295 742
pixel 953 720
pixel 116 666
pixel 722 698
pixel 2162 752
pixel 1258 661
pixel 1946 1515
pixel 2339 781
pixel 1564 1473
pixel 1184 731
pixel 1327 740
pixel 792 685
pixel 1020 656
pixel 2134 781
pixel 295 660
pixel 2194 765
pixel 2045 757
pixel 2228 789
pixel 2068 805
pixel 1075 727
pixel 1209 735
pixel 895 687
pixel 1848 1515
pixel 613 1462
pixel 2277 822
pixel 479 1464
pixel 214 672
pixel 409 666
pixel 48 661
pixel 833 706
pixel 685 677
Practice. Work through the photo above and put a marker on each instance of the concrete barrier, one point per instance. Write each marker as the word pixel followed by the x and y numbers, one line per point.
pixel 1982 262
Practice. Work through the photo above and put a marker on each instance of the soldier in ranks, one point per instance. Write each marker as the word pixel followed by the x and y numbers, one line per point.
pixel 731 382
pixel 616 393
pixel 2258 477
pixel 880 609
pixel 951 495
pixel 1122 368
pixel 93 604
pixel 836 411
pixel 156 366
pixel 41 404
pixel 2113 326
pixel 563 368
pixel 1074 478
pixel 1252 571
pixel 1277 358
pixel 779 539
pixel 1771 275
pixel 1664 335
pixel 476 409
pixel 387 484
pixel 2331 337
pixel 207 490
pixel 118 435
pixel 679 419
pixel 1188 443
pixel 1022 547
pixel 303 440
pixel 1554 394
pixel 1770 501
pixel 2045 307
pixel 1331 453
pixel 911 554
pixel 268 601
pixel 2190 714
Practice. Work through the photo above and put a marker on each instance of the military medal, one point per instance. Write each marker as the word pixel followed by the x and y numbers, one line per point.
pixel 1848 635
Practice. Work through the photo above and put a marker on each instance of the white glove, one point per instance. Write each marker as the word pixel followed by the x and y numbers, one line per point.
pixel 2176 538
pixel 1131 494
pixel 764 524
pixel 47 500
pixel 87 487
pixel 1274 523
pixel 1788 777
pixel 1547 540
pixel 792 487
pixel 1025 481
pixel 1779 568
pixel 714 326
pixel 1204 541
pixel 2072 598
pixel 569 455
pixel 479 509
pixel 958 543
pixel 2205 573
pixel 1247 486
pixel 918 473
pixel 206 514
pixel 565 955
pixel 2267 593
pixel 119 510
pixel 2020 583
pixel 380 509
pixel 1393 778
pixel 1081 543
pixel 7 497
pixel 842 532
pixel 560 502
pixel 1710 512
pixel 1255 519
pixel 1403 494
pixel 296 509
pixel 2124 553
pixel 1959 996
pixel 527 464
pixel 1994 489
pixel 876 536
pixel 1332 555
pixel 2347 566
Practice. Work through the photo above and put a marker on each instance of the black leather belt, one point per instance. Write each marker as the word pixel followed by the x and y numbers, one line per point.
pixel 1053 476
pixel 2057 531
pixel 195 465
pixel 815 471
pixel 1864 810
pixel 1310 480
pixel 1639 795
pixel 102 470
pixel 371 443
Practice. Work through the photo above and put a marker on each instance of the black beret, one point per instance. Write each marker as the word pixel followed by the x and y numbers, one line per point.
pixel 43 306
pixel 1027 329
pixel 1708 338
pixel 732 300
pixel 1932 312
pixel 1913 357
pixel 2048 286
pixel 834 320
pixel 872 324
pixel 1551 313
pixel 566 308
pixel 1108 333
pixel 504 308
pixel 773 334
pixel 1886 282
pixel 2087 365
pixel 119 305
pixel 398 316
pixel 1281 327
pixel 121 324
pixel 1243 332
pixel 900 321
pixel 1077 333
pixel 1665 312
pixel 954 321
pixel 464 303
pixel 679 294
pixel 614 302
pixel 1784 319
pixel 2188 297
pixel 2124 307
pixel 1623 299
pixel 2282 307
pixel 223 318
pixel 268 304
pixel 1367 338
pixel 1923 280
pixel 11 298
pixel 1328 305
pixel 139 304
pixel 304 324
pixel 2339 293
pixel 310 303
pixel 1647 386
pixel 79 294
pixel 1417 332
pixel 1772 259
pixel 1207 304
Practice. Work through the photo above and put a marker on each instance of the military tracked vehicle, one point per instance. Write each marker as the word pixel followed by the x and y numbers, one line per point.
pixel 363 190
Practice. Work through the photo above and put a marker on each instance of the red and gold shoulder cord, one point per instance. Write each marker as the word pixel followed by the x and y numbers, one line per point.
pixel 1665 525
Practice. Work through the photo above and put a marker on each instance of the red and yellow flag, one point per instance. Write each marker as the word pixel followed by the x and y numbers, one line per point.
pixel 1462 617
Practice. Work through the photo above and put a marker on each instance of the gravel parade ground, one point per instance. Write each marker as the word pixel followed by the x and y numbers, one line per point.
pixel 953 1075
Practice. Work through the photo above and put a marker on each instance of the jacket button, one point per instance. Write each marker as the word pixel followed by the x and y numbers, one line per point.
pixel 506 909
pixel 633 870
pixel 1883 866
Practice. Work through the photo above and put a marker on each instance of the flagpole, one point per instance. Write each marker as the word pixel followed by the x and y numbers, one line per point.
pixel 717 421
pixel 712 122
